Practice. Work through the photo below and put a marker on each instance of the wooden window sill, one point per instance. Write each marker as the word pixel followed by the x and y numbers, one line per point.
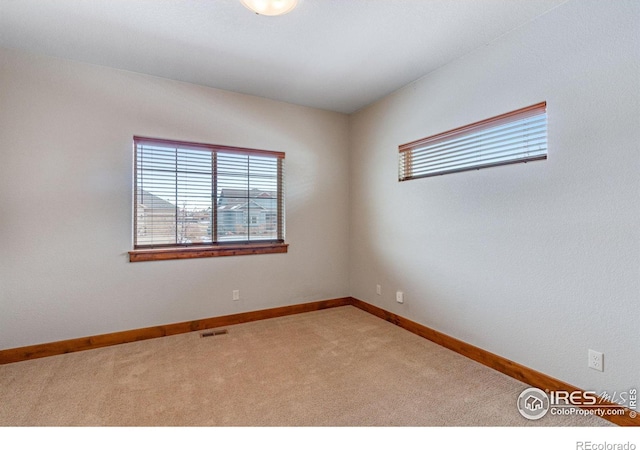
pixel 161 254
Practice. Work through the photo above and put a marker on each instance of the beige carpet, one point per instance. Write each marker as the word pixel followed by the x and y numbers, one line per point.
pixel 336 367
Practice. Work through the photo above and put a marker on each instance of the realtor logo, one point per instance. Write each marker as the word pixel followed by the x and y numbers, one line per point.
pixel 533 403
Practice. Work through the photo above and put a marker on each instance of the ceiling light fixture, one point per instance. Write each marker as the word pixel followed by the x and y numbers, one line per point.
pixel 270 7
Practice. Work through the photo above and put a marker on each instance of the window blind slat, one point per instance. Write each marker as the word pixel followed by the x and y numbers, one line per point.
pixel 534 144
pixel 521 136
pixel 518 136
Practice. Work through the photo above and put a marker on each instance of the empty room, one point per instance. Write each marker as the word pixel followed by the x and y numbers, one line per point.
pixel 333 213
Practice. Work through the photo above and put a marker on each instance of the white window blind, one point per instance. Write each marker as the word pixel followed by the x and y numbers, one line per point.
pixel 514 137
pixel 190 194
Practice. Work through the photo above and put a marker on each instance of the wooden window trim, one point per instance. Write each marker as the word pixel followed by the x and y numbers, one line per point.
pixel 205 251
pixel 208 147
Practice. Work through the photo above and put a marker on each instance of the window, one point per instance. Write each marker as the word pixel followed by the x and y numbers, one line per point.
pixel 198 200
pixel 514 137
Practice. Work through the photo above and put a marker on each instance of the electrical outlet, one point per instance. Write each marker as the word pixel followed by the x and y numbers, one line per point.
pixel 400 297
pixel 236 295
pixel 596 360
pixel 378 289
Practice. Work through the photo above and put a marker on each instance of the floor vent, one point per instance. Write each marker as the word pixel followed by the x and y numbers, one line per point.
pixel 213 333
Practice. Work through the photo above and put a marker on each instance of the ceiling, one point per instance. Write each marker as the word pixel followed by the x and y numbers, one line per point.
pixel 339 55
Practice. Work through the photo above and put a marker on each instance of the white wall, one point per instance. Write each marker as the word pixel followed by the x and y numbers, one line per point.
pixel 66 198
pixel 535 262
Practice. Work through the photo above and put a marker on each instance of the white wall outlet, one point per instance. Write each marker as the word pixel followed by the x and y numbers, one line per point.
pixel 400 297
pixel 596 360
pixel 378 289
pixel 236 295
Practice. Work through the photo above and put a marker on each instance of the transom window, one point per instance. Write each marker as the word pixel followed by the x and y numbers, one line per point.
pixel 206 200
pixel 514 137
